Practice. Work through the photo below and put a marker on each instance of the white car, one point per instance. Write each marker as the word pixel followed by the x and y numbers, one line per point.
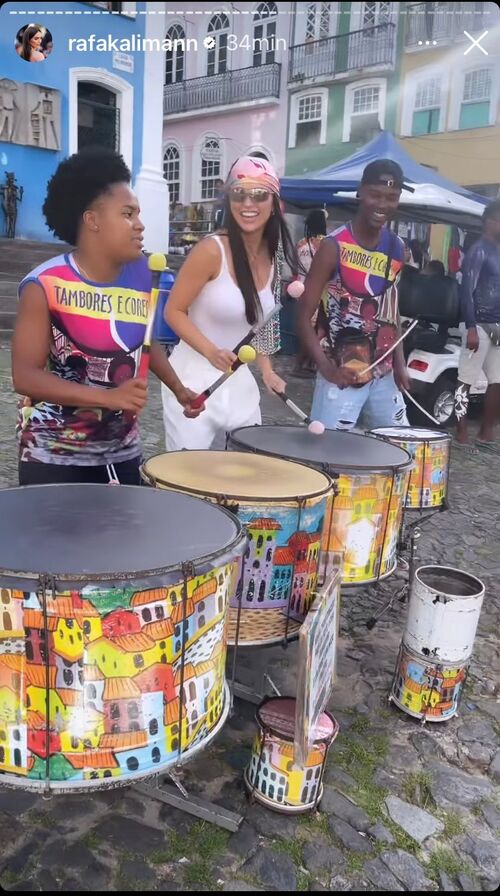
pixel 434 377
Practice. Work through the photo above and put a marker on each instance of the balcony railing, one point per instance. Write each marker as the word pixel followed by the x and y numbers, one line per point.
pixel 237 86
pixel 338 55
pixel 446 22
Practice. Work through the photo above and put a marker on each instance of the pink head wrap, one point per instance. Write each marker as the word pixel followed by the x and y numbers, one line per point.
pixel 255 172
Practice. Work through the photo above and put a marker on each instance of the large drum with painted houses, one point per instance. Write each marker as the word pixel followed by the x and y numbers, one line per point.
pixel 371 479
pixel 283 507
pixel 112 632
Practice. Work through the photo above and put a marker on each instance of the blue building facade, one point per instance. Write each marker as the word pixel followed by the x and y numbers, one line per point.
pixel 89 90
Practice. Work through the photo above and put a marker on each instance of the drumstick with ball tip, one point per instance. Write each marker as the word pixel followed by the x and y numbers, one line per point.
pixel 157 263
pixel 245 355
pixel 314 426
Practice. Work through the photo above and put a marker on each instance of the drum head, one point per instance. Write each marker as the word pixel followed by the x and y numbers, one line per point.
pixel 410 433
pixel 76 531
pixel 278 716
pixel 236 475
pixel 334 450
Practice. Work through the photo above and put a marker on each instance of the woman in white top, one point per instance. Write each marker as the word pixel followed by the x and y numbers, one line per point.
pixel 230 281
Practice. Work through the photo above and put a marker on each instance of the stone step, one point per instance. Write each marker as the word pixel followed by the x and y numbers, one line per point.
pixel 32 244
pixel 7 320
pixel 8 288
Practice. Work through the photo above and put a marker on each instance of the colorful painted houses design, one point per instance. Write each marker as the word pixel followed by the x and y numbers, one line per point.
pixel 111 683
pixel 428 481
pixel 366 521
pixel 426 689
pixel 273 773
pixel 277 575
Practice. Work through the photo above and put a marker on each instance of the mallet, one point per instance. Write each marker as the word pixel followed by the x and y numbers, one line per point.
pixel 245 352
pixel 314 426
pixel 156 264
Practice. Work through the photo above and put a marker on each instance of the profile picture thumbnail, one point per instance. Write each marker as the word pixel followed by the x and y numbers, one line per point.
pixel 33 42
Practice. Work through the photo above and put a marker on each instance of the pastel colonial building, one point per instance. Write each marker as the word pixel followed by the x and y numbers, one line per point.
pixel 224 93
pixel 343 79
pixel 449 104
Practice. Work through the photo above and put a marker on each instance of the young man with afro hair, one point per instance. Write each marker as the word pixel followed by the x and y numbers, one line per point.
pixel 78 313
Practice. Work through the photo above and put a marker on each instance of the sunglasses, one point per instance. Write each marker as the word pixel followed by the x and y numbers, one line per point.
pixel 257 194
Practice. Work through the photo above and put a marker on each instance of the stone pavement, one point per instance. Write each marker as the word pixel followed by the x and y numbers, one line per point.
pixel 405 807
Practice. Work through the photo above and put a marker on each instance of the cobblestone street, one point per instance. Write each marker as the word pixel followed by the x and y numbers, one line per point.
pixel 405 806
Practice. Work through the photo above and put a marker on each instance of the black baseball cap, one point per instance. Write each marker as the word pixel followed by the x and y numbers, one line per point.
pixel 386 172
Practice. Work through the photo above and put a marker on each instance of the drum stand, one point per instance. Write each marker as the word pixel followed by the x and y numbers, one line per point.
pixel 410 534
pixel 243 692
pixel 179 798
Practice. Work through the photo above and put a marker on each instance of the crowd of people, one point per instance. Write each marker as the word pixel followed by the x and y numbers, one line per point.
pixel 82 319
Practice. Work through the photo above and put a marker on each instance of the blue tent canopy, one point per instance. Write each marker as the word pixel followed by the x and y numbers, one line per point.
pixel 320 187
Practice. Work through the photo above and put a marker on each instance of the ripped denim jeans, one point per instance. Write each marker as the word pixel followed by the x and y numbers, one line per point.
pixel 378 403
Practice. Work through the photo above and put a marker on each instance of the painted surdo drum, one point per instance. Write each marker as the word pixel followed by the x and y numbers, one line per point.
pixel 273 777
pixel 113 606
pixel 283 507
pixel 438 640
pixel 371 478
pixel 430 452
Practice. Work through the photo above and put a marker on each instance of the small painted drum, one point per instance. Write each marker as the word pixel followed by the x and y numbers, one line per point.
pixel 443 613
pixel 371 478
pixel 425 688
pixel 430 450
pixel 283 507
pixel 113 615
pixel 272 777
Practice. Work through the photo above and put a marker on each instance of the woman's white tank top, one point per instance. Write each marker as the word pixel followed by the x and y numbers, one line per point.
pixel 219 313
pixel 219 309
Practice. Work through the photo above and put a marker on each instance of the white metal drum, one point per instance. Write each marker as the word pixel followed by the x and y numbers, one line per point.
pixel 443 613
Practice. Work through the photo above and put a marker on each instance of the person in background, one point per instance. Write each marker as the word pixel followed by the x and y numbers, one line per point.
pixel 314 232
pixel 434 268
pixel 480 302
pixel 360 260
pixel 418 253
pixel 218 206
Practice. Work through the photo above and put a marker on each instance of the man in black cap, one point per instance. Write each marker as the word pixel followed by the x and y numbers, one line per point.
pixel 359 261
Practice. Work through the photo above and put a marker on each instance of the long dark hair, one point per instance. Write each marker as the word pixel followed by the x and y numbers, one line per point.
pixel 30 32
pixel 315 223
pixel 276 234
